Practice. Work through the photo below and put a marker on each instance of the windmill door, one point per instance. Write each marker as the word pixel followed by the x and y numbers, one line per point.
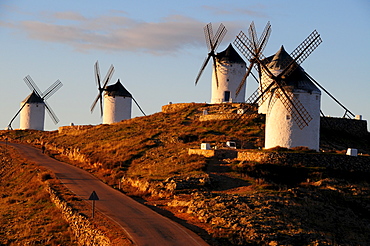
pixel 227 96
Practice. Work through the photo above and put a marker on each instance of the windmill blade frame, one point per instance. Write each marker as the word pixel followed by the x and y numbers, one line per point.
pixel 294 110
pixel 51 113
pixel 302 52
pixel 94 104
pixel 108 76
pixel 256 49
pixel 97 74
pixel 32 85
pixel 106 80
pixel 240 42
pixel 215 69
pixel 241 84
pixel 262 42
pixel 202 68
pixel 212 43
pixel 220 34
pixel 52 89
pixel 208 35
pixel 253 34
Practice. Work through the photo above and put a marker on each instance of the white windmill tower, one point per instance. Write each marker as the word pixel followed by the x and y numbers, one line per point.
pixel 228 68
pixel 289 98
pixel 32 110
pixel 117 100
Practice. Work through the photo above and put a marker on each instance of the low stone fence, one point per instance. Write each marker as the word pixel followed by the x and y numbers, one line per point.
pixel 351 126
pixel 218 153
pixel 342 162
pixel 84 231
pixel 337 161
pixel 73 129
pixel 175 107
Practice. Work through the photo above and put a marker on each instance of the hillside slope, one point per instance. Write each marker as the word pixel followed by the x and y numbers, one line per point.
pixel 27 216
pixel 226 201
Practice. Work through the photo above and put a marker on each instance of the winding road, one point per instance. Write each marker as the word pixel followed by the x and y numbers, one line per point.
pixel 143 225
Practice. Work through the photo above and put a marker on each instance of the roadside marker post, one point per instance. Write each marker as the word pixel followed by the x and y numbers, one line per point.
pixel 93 197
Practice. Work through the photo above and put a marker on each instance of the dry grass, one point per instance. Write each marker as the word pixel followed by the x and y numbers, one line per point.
pixel 154 147
pixel 28 217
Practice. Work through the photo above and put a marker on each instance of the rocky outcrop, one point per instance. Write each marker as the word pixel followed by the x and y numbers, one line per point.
pixel 168 187
pixel 320 214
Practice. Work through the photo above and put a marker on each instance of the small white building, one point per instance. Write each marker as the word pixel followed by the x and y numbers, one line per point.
pixel 281 129
pixel 117 103
pixel 231 69
pixel 32 115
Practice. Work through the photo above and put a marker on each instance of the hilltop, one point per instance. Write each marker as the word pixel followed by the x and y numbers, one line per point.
pixel 225 200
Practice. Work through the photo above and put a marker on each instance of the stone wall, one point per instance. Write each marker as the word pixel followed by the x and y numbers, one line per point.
pixel 168 187
pixel 72 129
pixel 218 153
pixel 171 108
pixel 84 231
pixel 336 161
pixel 351 126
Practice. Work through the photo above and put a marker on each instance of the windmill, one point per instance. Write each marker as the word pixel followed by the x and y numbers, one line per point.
pixel 117 100
pixel 257 46
pixel 228 67
pixel 286 94
pixel 32 110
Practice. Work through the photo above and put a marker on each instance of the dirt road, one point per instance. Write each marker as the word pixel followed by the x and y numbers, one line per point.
pixel 144 226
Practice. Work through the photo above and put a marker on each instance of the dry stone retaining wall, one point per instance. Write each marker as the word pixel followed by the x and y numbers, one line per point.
pixel 218 153
pixel 354 127
pixel 73 129
pixel 81 226
pixel 171 108
pixel 341 162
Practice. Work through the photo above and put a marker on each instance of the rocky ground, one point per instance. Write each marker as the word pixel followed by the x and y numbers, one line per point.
pixel 231 208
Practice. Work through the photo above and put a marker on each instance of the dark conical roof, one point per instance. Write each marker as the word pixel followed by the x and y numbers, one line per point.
pixel 230 55
pixel 117 89
pixel 280 59
pixel 33 98
pixel 297 79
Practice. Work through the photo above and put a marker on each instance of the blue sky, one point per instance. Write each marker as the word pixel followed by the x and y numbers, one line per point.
pixel 157 48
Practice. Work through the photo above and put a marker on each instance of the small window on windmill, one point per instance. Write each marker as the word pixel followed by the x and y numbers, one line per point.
pixel 288 116
pixel 317 97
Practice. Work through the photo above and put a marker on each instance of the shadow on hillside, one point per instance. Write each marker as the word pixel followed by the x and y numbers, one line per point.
pixel 222 182
pixel 219 172
pixel 199 231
